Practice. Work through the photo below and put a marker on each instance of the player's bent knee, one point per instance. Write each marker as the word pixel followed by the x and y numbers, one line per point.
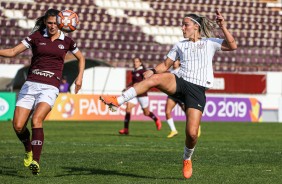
pixel 192 135
pixel 37 122
pixel 18 128
pixel 154 80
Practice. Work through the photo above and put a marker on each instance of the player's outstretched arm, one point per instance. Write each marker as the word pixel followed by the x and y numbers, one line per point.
pixel 81 67
pixel 12 52
pixel 229 43
pixel 160 68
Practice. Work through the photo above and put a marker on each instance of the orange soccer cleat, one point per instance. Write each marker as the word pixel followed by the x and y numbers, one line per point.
pixel 187 169
pixel 124 131
pixel 110 101
pixel 158 123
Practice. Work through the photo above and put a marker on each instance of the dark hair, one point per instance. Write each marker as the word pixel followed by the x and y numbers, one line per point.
pixel 207 26
pixel 140 62
pixel 39 24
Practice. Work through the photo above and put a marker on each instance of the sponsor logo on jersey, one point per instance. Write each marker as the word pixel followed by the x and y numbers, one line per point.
pixel 42 73
pixel 61 46
pixel 42 43
pixel 137 75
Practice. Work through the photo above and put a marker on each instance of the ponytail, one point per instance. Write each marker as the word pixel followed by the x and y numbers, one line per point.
pixel 206 25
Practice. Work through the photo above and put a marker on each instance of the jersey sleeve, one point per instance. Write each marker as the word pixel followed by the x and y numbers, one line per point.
pixel 73 47
pixel 173 53
pixel 216 42
pixel 29 40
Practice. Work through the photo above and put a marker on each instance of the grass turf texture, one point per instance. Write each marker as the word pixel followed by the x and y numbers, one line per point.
pixel 93 152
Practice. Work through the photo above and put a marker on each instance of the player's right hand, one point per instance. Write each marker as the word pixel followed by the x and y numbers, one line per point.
pixel 219 19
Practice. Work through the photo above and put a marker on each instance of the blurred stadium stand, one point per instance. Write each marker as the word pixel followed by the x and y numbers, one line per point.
pixel 118 30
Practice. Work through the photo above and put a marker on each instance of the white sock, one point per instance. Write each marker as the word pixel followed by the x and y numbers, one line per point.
pixel 188 153
pixel 170 123
pixel 126 96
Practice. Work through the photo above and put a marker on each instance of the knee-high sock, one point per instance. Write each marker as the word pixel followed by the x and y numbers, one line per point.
pixel 152 115
pixel 37 142
pixel 126 120
pixel 126 96
pixel 24 137
pixel 171 125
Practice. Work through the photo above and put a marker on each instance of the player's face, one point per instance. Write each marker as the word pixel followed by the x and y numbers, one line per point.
pixel 51 25
pixel 189 28
pixel 136 63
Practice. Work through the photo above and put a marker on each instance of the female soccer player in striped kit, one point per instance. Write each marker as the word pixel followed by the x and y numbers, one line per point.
pixel 195 76
pixel 38 94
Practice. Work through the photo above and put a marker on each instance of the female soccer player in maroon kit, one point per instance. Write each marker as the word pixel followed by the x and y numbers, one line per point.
pixel 38 94
pixel 143 99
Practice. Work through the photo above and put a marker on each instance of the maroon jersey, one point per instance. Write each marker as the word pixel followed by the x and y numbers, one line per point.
pixel 137 76
pixel 48 57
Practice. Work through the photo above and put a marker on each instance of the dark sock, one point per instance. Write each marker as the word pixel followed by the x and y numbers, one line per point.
pixel 126 120
pixel 152 115
pixel 24 137
pixel 37 142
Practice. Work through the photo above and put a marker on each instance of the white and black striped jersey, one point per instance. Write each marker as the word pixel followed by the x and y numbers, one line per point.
pixel 196 59
pixel 175 71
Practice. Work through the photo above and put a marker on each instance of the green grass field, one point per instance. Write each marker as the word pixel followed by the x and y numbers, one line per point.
pixel 93 152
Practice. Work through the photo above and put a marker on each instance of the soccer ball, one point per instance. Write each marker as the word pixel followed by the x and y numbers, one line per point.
pixel 67 21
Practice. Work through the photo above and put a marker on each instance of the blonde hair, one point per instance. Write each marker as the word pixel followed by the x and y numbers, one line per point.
pixel 207 26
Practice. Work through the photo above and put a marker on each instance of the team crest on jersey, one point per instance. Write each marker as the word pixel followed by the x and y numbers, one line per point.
pixel 61 46
pixel 201 45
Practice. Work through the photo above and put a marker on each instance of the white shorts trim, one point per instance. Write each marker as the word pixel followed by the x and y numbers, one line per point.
pixel 33 93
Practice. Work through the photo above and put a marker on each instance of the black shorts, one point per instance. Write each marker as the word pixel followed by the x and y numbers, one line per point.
pixel 191 94
pixel 176 100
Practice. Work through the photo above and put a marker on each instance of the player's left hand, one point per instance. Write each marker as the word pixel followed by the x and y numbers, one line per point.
pixel 148 74
pixel 219 19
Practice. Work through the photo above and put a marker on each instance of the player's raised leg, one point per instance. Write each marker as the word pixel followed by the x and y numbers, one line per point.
pixel 164 81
